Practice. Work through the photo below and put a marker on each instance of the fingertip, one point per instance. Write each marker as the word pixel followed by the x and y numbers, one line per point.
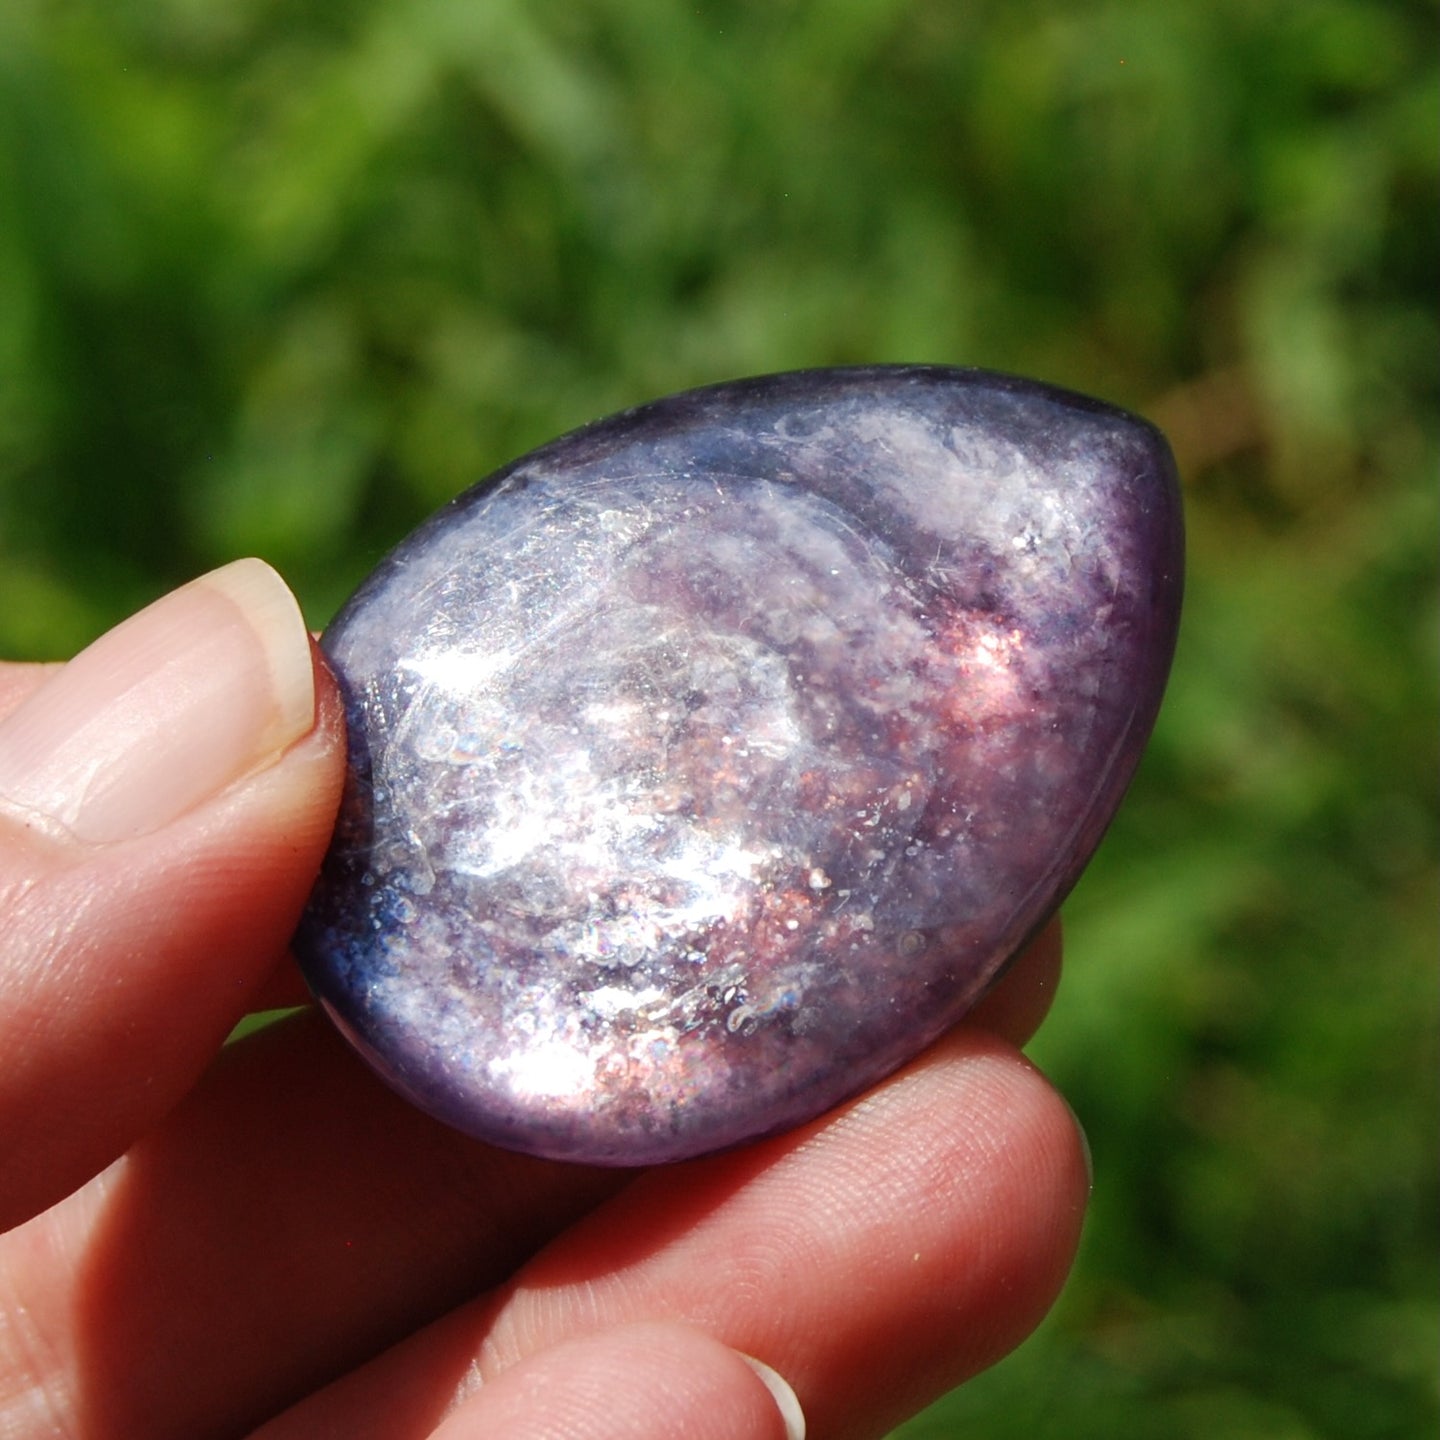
pixel 165 802
pixel 639 1381
pixel 1018 1003
pixel 207 685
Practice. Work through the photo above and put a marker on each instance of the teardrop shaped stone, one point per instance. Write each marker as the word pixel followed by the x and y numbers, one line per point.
pixel 709 762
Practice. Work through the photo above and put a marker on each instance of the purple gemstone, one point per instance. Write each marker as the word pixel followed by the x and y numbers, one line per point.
pixel 709 762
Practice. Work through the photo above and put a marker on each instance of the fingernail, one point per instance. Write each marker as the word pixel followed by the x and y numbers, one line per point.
pixel 785 1398
pixel 208 684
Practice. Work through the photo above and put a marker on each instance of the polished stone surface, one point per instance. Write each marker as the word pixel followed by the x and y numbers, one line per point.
pixel 709 762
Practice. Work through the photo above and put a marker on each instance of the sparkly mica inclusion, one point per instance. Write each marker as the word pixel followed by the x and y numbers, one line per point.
pixel 709 762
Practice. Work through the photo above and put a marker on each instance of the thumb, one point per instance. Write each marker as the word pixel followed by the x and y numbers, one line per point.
pixel 165 800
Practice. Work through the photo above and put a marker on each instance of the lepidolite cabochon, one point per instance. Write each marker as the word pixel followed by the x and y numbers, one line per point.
pixel 709 762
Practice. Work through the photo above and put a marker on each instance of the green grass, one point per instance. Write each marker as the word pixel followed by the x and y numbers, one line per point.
pixel 281 279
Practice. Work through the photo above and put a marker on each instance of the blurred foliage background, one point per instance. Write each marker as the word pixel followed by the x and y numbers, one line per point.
pixel 280 276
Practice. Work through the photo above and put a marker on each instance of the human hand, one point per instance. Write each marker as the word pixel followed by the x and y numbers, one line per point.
pixel 201 1243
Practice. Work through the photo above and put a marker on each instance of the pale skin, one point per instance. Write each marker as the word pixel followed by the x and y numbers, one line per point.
pixel 266 1241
